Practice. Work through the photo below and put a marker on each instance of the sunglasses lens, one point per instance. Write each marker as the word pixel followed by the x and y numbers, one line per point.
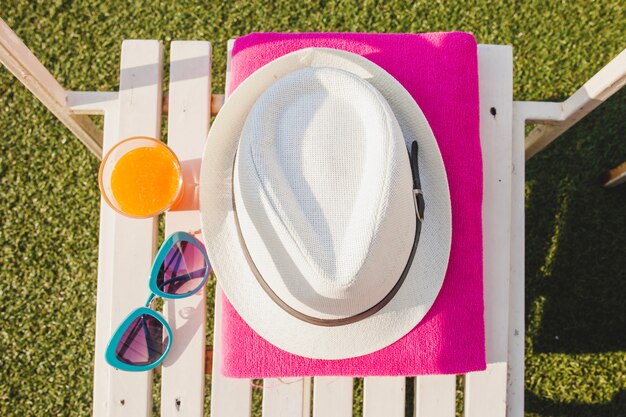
pixel 183 269
pixel 143 342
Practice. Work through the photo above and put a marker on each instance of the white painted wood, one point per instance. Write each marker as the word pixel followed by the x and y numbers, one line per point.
pixel 104 295
pixel 21 62
pixel 515 387
pixel 384 396
pixel 332 396
pixel 230 397
pixel 433 395
pixel 90 102
pixel 485 392
pixel 182 383
pixel 229 45
pixel 217 101
pixel 594 92
pixel 544 112
pixel 286 397
pixel 437 396
pixel 127 245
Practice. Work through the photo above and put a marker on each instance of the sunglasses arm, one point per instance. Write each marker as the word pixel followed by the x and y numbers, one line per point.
pixel 152 296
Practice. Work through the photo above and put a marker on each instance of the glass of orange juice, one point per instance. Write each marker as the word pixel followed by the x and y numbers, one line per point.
pixel 141 177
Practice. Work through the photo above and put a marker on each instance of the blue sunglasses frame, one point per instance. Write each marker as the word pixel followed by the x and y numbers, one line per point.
pixel 110 353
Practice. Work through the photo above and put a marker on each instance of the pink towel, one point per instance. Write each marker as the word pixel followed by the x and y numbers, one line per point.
pixel 440 71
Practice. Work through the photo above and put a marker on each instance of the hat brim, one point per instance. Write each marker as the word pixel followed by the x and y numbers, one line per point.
pixel 235 276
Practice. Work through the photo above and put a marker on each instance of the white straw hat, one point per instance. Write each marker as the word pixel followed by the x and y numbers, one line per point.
pixel 309 213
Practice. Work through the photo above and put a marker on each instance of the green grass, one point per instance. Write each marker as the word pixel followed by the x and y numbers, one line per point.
pixel 576 231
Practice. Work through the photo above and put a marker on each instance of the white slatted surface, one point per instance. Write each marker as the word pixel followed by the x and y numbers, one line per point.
pixel 332 397
pixel 105 277
pixel 485 392
pixel 515 386
pixel 229 397
pixel 182 389
pixel 384 396
pixel 127 245
pixel 435 396
pixel 286 397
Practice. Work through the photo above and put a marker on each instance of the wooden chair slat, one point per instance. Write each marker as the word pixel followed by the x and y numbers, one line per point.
pixel 435 395
pixel 287 397
pixel 384 396
pixel 485 392
pixel 182 387
pixel 332 397
pixel 104 295
pixel 230 397
pixel 515 345
pixel 127 245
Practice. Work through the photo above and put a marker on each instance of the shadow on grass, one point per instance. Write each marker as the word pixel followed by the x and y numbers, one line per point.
pixel 576 265
pixel 576 237
pixel 544 407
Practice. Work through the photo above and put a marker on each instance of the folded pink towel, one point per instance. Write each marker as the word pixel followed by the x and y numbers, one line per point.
pixel 440 71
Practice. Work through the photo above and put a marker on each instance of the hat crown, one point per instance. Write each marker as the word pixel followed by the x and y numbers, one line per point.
pixel 323 192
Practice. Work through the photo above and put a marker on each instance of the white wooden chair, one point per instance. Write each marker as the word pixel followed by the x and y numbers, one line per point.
pixel 127 246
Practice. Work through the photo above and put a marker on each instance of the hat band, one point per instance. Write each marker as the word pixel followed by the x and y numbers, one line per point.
pixel 419 213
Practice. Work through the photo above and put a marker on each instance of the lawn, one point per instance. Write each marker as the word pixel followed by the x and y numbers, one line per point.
pixel 575 230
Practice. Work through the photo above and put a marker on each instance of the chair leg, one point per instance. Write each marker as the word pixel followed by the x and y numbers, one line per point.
pixel 615 176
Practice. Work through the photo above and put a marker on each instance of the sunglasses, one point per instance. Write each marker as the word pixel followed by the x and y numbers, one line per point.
pixel 144 338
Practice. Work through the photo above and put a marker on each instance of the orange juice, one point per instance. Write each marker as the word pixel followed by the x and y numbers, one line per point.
pixel 145 180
